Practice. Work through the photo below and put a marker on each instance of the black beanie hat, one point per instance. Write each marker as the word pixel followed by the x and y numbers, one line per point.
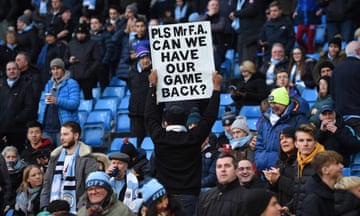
pixel 176 115
pixel 257 201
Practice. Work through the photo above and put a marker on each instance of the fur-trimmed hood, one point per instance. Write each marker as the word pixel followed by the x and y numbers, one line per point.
pixel 84 150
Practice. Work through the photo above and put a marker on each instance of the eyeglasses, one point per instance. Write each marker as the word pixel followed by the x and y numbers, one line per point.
pixel 244 168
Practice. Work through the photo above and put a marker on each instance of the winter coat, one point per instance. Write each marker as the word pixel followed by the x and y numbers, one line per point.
pixel 105 44
pixel 268 138
pixel 29 154
pixel 208 167
pixel 140 165
pixel 324 57
pixel 6 55
pixel 306 12
pixel 5 184
pixel 317 105
pixel 338 10
pixel 224 200
pixel 32 77
pixel 346 204
pixel 17 106
pixel 29 40
pixel 319 199
pixel 84 165
pixel 122 54
pixel 173 149
pixel 68 101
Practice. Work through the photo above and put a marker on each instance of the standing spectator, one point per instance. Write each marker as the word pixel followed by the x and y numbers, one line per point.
pixel 17 106
pixel 69 164
pixel 9 12
pixel 100 197
pixel 319 199
pixel 103 38
pixel 247 176
pixel 281 177
pixel 300 70
pixel 28 195
pixel 175 144
pixel 209 156
pixel 251 21
pixel 66 27
pixel 5 184
pixel 61 102
pixel 347 197
pixel 324 98
pixel 345 88
pixel 279 29
pixel 28 37
pixel 53 18
pixel 262 202
pixel 138 85
pixel 30 74
pixel 277 61
pixel 282 113
pixel 37 149
pixel 15 167
pixel 217 23
pixel 123 181
pixel 333 55
pixel 232 199
pixel 8 50
pixel 308 147
pixel 307 16
pixel 114 22
pixel 84 58
pixel 250 88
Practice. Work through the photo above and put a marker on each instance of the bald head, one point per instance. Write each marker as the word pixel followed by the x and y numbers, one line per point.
pixel 353 48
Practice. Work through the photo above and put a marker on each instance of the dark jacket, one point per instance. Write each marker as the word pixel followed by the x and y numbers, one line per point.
pixel 324 57
pixel 17 106
pixel 140 164
pixel 346 204
pixel 32 77
pixel 29 40
pixel 319 199
pixel 6 55
pixel 105 44
pixel 178 154
pixel 208 168
pixel 5 184
pixel 29 154
pixel 255 182
pixel 224 200
pixel 339 10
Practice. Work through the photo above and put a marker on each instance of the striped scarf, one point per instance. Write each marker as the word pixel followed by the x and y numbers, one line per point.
pixel 64 183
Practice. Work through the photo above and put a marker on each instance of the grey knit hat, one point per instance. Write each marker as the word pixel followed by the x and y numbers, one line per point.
pixel 57 62
pixel 240 122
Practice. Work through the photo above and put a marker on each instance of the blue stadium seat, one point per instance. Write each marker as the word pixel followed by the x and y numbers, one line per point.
pixel 250 111
pixel 96 93
pixel 85 105
pixel 114 91
pixel 124 105
pixel 100 118
pixel 107 104
pixel 115 81
pixel 148 145
pixel 252 123
pixel 83 115
pixel 217 127
pixel 116 145
pixel 122 123
pixel 225 99
pixel 93 136
pixel 310 95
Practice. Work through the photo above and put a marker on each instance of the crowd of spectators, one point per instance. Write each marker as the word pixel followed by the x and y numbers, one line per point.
pixel 54 51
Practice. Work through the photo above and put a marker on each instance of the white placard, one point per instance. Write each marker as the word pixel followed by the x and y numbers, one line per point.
pixel 182 54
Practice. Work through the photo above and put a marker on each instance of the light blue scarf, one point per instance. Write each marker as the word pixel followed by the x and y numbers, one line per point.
pixel 64 184
pixel 24 200
pixel 180 12
pixel 240 142
pixel 236 22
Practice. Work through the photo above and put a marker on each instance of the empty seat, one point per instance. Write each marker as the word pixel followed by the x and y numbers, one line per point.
pixel 83 115
pixel 225 99
pixel 107 104
pixel 148 145
pixel 93 136
pixel 85 105
pixel 114 91
pixel 252 123
pixel 124 105
pixel 217 127
pixel 310 95
pixel 115 81
pixel 101 118
pixel 250 111
pixel 122 123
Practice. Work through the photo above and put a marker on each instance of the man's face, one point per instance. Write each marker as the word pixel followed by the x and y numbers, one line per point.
pixel 245 171
pixel 21 62
pixel 282 79
pixel 273 208
pixel 95 25
pixel 68 138
pixel 225 170
pixel 96 194
pixel 278 109
pixel 34 135
pixel 113 14
pixel 277 53
pixel 333 50
pixel 144 62
pixel 80 36
pixel 334 169
pixel 56 4
pixel 121 165
pixel 140 29
pixel 12 71
pixel 238 133
pixel 275 12
pixel 327 115
pixel 57 72
pixel 20 25
pixel 325 71
pixel 213 6
pixel 305 143
pixel 129 14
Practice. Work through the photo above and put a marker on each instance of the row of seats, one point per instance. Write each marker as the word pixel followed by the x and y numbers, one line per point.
pixel 147 144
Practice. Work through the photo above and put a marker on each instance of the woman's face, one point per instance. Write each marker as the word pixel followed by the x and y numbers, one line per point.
pixel 287 144
pixel 35 178
pixel 323 87
pixel 297 54
pixel 162 204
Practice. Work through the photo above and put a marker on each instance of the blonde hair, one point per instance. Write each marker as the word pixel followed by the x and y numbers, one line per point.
pixel 348 182
pixel 25 185
pixel 248 66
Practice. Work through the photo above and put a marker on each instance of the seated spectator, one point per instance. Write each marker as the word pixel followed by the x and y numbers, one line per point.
pixel 58 207
pixel 347 196
pixel 247 175
pixel 242 137
pixel 227 118
pixel 280 177
pixel 337 135
pixel 300 69
pixel 319 198
pixel 28 195
pixel 123 181
pixel 326 68
pixel 156 201
pixel 5 184
pixel 138 161
pixel 333 55
pixel 100 197
pixel 250 88
pixel 15 167
pixel 308 147
pixel 324 98
pixel 262 202
pixel 37 149
pixel 208 161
